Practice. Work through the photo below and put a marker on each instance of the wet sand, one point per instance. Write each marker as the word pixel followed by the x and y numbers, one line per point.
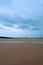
pixel 38 41
pixel 21 54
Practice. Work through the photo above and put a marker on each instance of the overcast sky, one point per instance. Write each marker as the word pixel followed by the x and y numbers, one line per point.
pixel 21 18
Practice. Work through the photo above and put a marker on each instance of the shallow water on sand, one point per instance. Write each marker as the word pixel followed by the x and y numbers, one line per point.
pixel 22 41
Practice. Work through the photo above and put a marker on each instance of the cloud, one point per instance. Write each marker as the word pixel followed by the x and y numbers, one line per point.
pixel 18 32
pixel 12 31
pixel 24 9
pixel 19 26
pixel 21 18
pixel 4 11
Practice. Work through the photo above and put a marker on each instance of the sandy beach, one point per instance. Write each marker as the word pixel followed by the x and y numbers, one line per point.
pixel 21 54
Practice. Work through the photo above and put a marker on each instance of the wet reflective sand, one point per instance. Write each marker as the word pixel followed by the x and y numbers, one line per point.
pixel 40 41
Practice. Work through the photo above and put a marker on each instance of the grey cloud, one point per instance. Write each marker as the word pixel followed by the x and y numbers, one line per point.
pixel 22 24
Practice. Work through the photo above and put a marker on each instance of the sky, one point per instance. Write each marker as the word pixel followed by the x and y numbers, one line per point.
pixel 21 18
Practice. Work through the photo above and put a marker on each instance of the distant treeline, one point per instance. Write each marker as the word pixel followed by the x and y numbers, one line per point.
pixel 19 38
pixel 6 37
